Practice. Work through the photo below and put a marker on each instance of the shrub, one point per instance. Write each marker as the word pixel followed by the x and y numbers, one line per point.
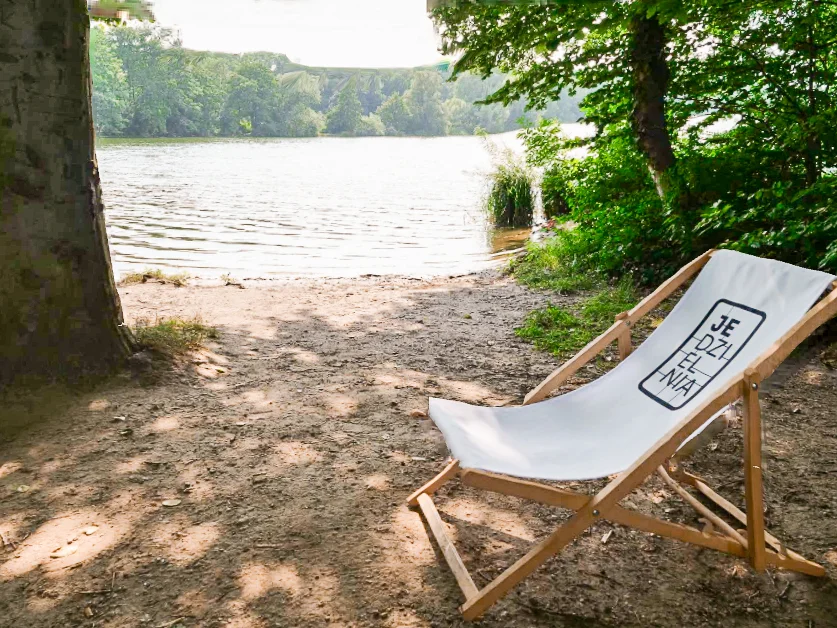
pixel 371 125
pixel 739 195
pixel 556 264
pixel 510 201
pixel 173 336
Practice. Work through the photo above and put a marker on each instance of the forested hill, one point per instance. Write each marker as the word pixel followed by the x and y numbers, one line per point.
pixel 146 84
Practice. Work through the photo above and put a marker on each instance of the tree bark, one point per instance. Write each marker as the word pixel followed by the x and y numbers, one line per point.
pixel 813 145
pixel 650 85
pixel 60 314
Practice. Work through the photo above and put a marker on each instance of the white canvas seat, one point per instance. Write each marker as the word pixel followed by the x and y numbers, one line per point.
pixel 604 426
pixel 732 328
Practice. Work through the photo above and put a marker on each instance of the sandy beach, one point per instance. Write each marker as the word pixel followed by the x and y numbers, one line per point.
pixel 261 482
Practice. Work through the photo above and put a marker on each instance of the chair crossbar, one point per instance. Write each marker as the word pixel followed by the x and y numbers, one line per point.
pixel 561 498
pixel 735 512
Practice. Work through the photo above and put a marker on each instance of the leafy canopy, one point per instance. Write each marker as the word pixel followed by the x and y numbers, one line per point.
pixel 749 110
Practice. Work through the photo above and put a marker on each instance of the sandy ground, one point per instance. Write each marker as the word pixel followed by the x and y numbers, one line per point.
pixel 262 483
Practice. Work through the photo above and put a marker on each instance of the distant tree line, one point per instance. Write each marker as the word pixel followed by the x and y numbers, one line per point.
pixel 147 85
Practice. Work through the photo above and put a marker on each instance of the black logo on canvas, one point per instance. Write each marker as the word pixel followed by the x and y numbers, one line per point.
pixel 716 341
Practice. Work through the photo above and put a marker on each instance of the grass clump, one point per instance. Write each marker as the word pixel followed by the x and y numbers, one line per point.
pixel 555 264
pixel 173 336
pixel 178 279
pixel 510 201
pixel 563 332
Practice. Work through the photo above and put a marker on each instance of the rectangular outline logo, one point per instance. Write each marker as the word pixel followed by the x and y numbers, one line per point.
pixel 690 337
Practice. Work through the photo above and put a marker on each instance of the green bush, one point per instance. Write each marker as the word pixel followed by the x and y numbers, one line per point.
pixel 554 192
pixel 739 195
pixel 757 201
pixel 510 201
pixel 617 212
pixel 371 125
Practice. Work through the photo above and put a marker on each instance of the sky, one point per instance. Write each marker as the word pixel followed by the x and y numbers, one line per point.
pixel 341 33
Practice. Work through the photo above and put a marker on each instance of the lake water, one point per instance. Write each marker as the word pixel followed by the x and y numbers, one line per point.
pixel 332 207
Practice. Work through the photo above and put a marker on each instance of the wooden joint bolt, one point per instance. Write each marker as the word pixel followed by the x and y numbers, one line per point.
pixel 624 316
pixel 752 378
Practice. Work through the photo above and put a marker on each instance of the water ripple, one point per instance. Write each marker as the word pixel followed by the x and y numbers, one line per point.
pixel 320 207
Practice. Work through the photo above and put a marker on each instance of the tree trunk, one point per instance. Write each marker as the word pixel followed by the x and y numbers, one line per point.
pixel 650 85
pixel 650 74
pixel 60 314
pixel 813 145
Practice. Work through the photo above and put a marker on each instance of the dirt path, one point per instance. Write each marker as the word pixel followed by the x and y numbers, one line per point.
pixel 289 448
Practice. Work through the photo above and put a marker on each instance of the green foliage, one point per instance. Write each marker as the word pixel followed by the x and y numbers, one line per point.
pixel 563 332
pixel 109 100
pixel 555 264
pixel 395 115
pixel 345 117
pixel 173 336
pixel 299 94
pixel 252 104
pixel 543 49
pixel 510 199
pixel 620 222
pixel 424 101
pixel 621 225
pixel 766 68
pixel 420 110
pixel 798 225
pixel 371 125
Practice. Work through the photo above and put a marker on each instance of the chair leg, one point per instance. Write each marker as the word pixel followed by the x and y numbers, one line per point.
pixel 753 487
pixel 601 503
pixel 478 601
pixel 437 528
pixel 436 483
pixel 538 555
pixel 783 557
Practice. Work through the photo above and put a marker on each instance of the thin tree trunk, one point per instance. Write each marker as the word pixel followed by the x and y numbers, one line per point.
pixel 813 144
pixel 651 76
pixel 59 310
pixel 650 86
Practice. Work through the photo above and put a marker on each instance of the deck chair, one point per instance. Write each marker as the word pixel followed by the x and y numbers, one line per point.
pixel 741 317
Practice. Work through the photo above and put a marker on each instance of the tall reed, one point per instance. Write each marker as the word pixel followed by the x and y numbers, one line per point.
pixel 510 199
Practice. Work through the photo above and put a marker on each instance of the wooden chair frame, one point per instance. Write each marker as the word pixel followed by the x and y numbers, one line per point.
pixel 756 544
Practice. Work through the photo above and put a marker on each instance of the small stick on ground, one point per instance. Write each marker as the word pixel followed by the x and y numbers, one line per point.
pixel 784 590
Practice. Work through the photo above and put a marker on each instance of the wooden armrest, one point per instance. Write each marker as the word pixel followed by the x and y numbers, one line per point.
pixel 668 287
pixel 616 331
pixel 767 362
pixel 566 370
